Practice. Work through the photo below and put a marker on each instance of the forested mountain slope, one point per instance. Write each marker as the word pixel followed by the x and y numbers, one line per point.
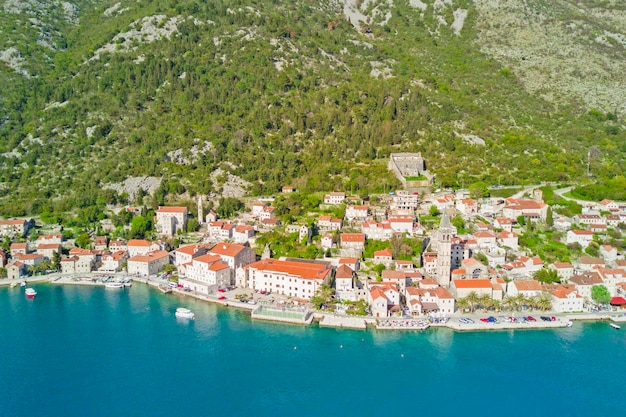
pixel 310 93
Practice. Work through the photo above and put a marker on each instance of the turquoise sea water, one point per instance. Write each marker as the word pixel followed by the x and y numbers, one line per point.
pixel 83 351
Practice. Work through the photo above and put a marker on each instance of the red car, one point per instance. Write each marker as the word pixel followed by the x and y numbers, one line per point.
pixel 222 298
pixel 222 290
pixel 531 318
pixel 484 320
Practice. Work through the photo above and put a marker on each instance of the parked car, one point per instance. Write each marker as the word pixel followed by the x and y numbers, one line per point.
pixel 222 298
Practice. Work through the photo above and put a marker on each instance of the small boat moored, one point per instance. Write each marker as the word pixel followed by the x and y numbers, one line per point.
pixel 114 285
pixel 184 313
pixel 165 289
pixel 615 326
pixel 569 323
pixel 30 293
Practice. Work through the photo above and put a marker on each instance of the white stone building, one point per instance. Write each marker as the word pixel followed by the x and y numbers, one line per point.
pixel 149 264
pixel 170 219
pixel 299 279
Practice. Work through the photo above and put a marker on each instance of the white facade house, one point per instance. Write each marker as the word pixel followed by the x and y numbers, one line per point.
pixel 15 227
pixel 74 264
pixel 327 242
pixel 299 279
pixel 257 209
pixel 565 299
pixel 353 241
pixel 344 284
pixel 141 247
pixel 467 207
pixel 328 223
pixel 608 253
pixel 242 233
pixel 485 240
pixel 612 277
pixel 582 237
pixel 377 231
pixel 589 219
pixel 148 264
pixel 56 238
pixel 379 303
pixel 356 212
pixel 508 239
pixel 206 272
pixel 463 287
pixel 334 198
pixel 48 249
pixel 504 223
pixel 113 262
pixel 267 213
pixel 29 259
pixel 384 257
pixel 16 269
pixel 530 209
pixel 584 283
pixel 380 306
pixel 526 287
pixel 233 254
pixel 170 220
pixel 429 300
pixel 186 254
pixel 564 270
pixel 402 224
pixel 404 200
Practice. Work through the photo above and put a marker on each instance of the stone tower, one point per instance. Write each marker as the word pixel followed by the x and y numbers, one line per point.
pixel 200 211
pixel 443 239
pixel 267 253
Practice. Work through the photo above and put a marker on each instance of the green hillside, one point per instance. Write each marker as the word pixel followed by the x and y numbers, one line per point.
pixel 275 92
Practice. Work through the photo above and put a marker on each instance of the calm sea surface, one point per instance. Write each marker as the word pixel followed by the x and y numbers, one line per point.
pixel 82 351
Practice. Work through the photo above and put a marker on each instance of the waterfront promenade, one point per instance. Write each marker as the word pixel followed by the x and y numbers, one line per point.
pixel 267 308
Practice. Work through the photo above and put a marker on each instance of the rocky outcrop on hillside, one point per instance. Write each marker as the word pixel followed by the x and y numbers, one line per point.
pixel 562 50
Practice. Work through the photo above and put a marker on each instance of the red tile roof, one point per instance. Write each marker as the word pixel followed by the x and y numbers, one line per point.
pixel 149 257
pixel 343 271
pixel 472 283
pixel 305 270
pixel 171 209
pixel 227 249
pixel 353 237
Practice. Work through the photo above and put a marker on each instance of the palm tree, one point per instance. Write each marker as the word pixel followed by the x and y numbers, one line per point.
pixel 508 303
pixel 495 304
pixel 485 301
pixel 544 302
pixel 473 298
pixel 520 300
pixel 462 304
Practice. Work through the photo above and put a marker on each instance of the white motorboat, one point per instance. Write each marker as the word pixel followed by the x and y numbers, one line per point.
pixel 569 323
pixel 184 313
pixel 615 326
pixel 30 293
pixel 114 285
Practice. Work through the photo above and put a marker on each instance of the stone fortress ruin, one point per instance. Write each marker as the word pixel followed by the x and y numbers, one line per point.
pixel 410 168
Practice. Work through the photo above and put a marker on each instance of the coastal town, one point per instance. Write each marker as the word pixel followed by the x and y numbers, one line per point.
pixel 411 258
